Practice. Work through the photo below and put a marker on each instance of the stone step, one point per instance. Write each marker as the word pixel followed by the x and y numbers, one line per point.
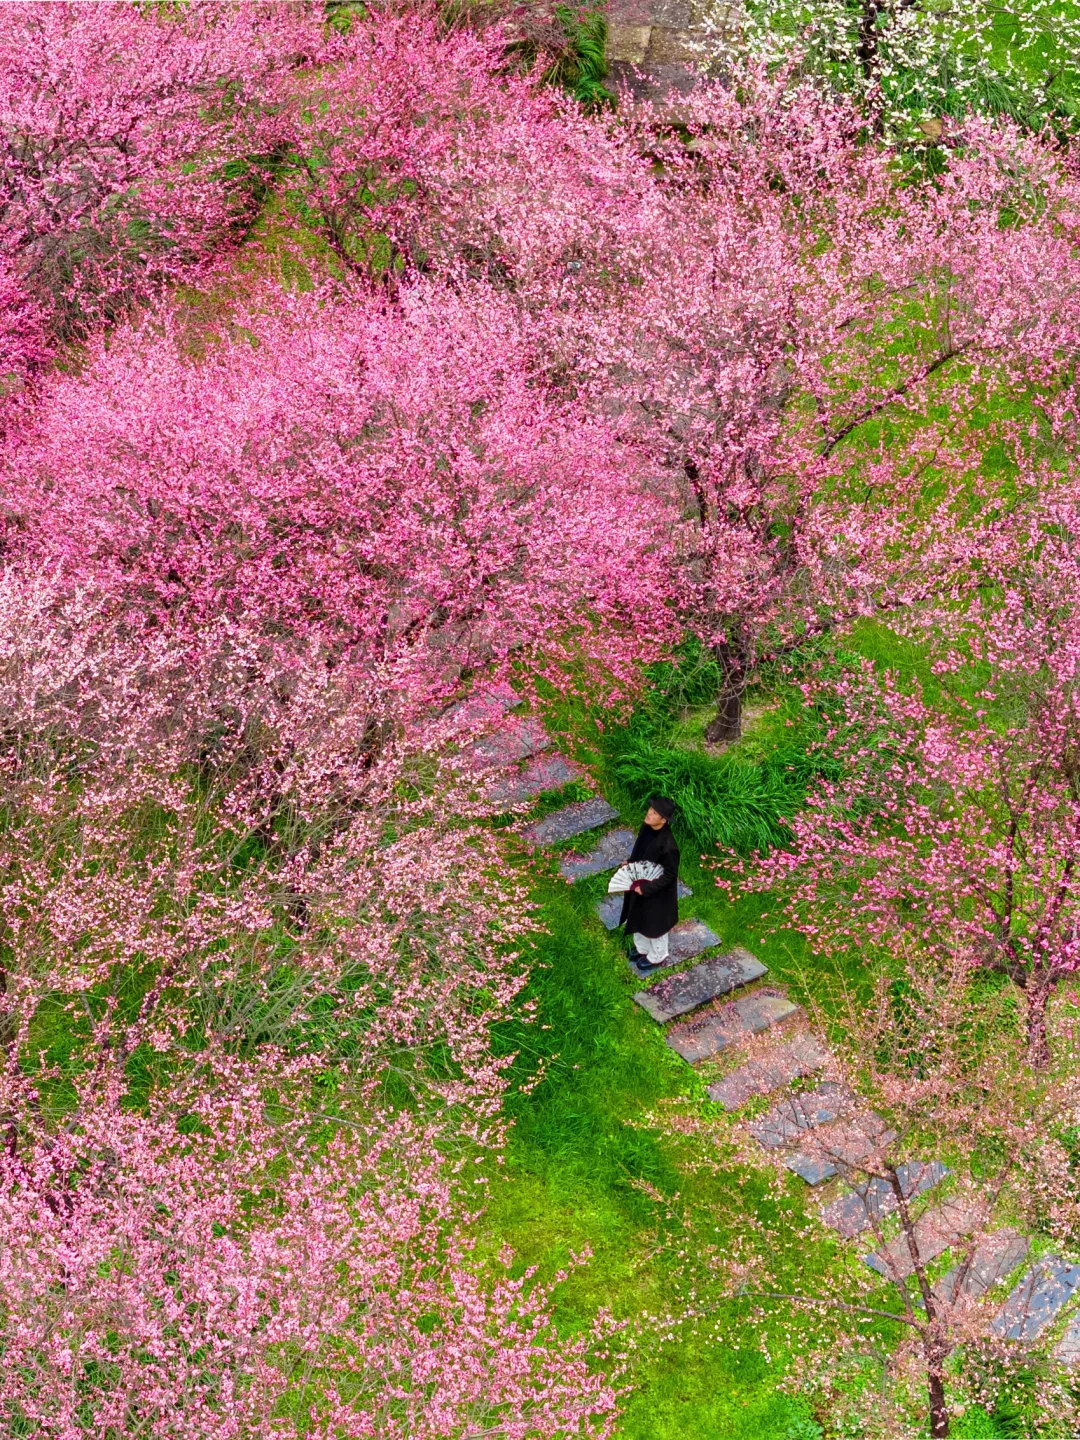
pixel 610 907
pixel 540 773
pixel 934 1233
pixel 1043 1292
pixel 996 1256
pixel 611 851
pixel 685 940
pixel 792 1117
pixel 801 1056
pixel 678 994
pixel 874 1199
pixel 846 1145
pixel 570 820
pixel 702 1038
pixel 481 707
pixel 515 741
pixel 1067 1349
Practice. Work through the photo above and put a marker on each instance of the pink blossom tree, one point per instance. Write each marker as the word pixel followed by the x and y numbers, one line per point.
pixel 229 1275
pixel 780 321
pixel 119 123
pixel 953 822
pixel 395 483
pixel 933 1065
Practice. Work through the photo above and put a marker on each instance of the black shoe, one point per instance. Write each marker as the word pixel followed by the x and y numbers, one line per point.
pixel 646 967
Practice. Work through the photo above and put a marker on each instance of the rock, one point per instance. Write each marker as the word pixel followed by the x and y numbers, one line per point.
pixel 570 820
pixel 843 1146
pixel 995 1256
pixel 790 1118
pixel 677 994
pixel 697 1040
pixel 1039 1298
pixel 481 707
pixel 934 1233
pixel 612 851
pixel 515 741
pixel 542 772
pixel 874 1199
pixel 627 44
pixel 610 907
pixel 801 1056
pixel 689 938
pixel 1068 1348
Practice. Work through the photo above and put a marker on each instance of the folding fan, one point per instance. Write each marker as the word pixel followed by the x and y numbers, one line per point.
pixel 623 878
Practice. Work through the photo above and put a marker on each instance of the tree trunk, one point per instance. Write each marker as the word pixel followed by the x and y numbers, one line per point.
pixel 939 1413
pixel 1038 1045
pixel 868 40
pixel 727 724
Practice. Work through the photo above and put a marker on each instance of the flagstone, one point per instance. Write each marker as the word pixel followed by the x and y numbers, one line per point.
pixel 996 1255
pixel 874 1199
pixel 540 773
pixel 801 1056
pixel 1067 1349
pixel 687 939
pixel 611 851
pixel 844 1145
pixel 702 1038
pixel 934 1233
pixel 1043 1292
pixel 570 820
pixel 515 741
pixel 790 1118
pixel 678 994
pixel 481 706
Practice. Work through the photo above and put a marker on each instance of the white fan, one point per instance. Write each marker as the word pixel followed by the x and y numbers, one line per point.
pixel 623 878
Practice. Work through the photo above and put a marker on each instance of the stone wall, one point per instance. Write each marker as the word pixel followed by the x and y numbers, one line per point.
pixel 657 48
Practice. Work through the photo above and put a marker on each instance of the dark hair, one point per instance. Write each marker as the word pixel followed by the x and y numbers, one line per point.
pixel 663 806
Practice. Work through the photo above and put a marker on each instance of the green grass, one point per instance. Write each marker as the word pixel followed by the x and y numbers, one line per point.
pixel 579 1155
pixel 587 1166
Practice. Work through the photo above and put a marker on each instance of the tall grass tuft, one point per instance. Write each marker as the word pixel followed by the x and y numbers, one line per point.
pixel 738 800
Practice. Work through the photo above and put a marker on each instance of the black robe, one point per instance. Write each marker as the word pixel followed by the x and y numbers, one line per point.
pixel 656 910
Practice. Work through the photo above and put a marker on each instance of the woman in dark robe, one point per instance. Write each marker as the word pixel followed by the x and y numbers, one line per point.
pixel 651 907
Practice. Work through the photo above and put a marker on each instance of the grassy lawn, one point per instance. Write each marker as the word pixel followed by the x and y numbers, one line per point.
pixel 591 1168
pixel 588 1170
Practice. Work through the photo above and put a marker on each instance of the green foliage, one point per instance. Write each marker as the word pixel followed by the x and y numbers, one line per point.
pixel 583 67
pixel 803 1428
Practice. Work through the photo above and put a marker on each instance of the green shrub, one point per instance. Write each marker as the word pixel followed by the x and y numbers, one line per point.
pixel 739 800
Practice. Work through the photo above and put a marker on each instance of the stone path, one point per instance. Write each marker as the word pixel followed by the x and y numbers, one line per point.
pixel 611 851
pixel 1039 1298
pixel 996 1256
pixel 845 1146
pixel 851 1214
pixel 709 1035
pixel 793 1116
pixel 516 740
pixel 685 991
pixel 934 1232
pixel 801 1057
pixel 569 821
pixel 824 1131
pixel 541 772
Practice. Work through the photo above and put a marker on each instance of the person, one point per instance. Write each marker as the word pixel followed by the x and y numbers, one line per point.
pixel 651 907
